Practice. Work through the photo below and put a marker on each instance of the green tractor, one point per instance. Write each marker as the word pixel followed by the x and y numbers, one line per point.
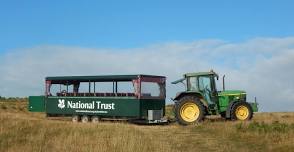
pixel 201 98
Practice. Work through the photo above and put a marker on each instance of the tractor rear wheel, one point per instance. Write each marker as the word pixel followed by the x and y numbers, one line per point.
pixel 241 111
pixel 189 110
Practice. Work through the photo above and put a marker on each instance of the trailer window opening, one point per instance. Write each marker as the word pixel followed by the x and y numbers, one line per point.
pixel 125 87
pixel 84 87
pixel 152 90
pixel 57 89
pixel 103 87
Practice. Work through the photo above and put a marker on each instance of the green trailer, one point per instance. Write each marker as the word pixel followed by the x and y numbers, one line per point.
pixel 91 98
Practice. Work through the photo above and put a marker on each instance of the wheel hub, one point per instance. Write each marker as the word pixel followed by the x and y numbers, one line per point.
pixel 189 112
pixel 242 112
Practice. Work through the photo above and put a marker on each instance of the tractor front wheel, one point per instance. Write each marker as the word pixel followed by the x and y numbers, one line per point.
pixel 189 110
pixel 241 111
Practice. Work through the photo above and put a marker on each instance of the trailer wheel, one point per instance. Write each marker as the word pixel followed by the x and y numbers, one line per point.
pixel 95 119
pixel 75 118
pixel 85 119
pixel 241 111
pixel 189 110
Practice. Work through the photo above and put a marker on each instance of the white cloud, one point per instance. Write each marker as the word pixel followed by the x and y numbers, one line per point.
pixel 261 66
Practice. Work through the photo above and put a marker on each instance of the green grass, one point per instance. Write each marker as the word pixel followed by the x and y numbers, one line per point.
pixel 21 130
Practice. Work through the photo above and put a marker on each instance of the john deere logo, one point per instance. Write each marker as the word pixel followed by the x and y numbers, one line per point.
pixel 61 104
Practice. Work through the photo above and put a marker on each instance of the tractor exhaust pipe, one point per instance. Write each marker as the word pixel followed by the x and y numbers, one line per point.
pixel 224 82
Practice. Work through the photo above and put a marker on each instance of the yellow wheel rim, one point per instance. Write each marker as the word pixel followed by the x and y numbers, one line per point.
pixel 242 112
pixel 189 112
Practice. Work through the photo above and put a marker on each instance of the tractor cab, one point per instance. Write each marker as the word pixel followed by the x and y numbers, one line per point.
pixel 201 84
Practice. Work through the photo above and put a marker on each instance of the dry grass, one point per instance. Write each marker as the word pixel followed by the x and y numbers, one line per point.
pixel 24 131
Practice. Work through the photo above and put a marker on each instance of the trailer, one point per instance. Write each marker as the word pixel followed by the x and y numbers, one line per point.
pixel 92 98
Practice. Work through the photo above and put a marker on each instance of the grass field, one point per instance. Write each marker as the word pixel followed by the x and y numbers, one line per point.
pixel 21 131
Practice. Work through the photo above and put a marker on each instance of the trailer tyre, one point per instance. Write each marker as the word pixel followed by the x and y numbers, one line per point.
pixel 189 110
pixel 95 119
pixel 85 119
pixel 75 118
pixel 241 111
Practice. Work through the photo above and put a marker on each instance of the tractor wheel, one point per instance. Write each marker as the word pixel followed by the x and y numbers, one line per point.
pixel 241 111
pixel 189 110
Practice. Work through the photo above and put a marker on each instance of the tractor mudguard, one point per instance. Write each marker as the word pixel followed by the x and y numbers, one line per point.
pixel 192 93
pixel 179 95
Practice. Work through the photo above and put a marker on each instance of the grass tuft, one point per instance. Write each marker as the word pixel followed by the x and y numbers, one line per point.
pixel 262 127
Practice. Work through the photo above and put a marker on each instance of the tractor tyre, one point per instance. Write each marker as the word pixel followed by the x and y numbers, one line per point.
pixel 189 110
pixel 241 111
pixel 175 108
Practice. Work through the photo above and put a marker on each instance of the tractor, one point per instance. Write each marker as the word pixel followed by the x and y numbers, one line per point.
pixel 201 98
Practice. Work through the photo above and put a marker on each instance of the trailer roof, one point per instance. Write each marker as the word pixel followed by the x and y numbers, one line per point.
pixel 98 78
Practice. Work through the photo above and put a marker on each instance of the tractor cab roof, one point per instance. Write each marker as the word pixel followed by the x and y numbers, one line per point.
pixel 199 74
pixel 195 74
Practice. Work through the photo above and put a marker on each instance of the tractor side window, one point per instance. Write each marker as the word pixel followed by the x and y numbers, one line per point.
pixel 192 84
pixel 204 83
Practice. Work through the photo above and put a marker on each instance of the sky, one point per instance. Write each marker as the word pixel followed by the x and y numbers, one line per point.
pixel 252 42
pixel 128 24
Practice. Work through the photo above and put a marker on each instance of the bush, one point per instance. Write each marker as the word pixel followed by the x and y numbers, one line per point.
pixel 13 99
pixel 262 127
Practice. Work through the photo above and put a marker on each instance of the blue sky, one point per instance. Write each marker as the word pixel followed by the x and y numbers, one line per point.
pixel 252 42
pixel 129 24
